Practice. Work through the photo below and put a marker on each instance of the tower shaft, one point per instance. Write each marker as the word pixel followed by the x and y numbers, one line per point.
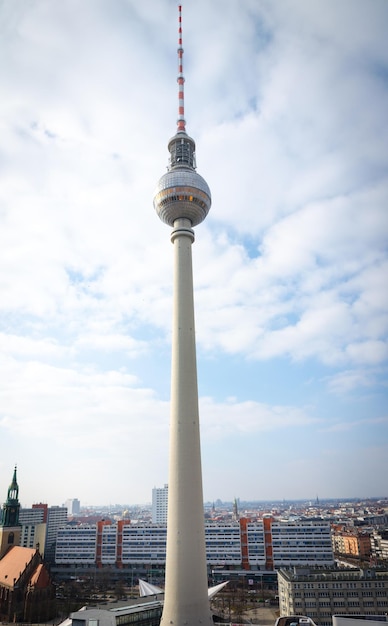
pixel 186 597
pixel 182 200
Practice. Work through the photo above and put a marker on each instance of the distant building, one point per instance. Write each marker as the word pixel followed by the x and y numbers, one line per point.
pixel 321 593
pixel 351 542
pixel 73 506
pixel 159 505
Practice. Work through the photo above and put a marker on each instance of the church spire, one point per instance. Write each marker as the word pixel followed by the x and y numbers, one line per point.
pixel 13 489
pixel 10 517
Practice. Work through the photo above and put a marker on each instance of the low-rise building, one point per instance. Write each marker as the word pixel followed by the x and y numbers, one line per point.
pixel 319 594
pixel 144 612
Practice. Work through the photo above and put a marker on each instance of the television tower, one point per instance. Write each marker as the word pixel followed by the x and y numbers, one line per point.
pixel 182 200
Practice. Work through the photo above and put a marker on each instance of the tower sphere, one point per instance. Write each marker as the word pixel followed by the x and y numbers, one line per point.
pixel 182 193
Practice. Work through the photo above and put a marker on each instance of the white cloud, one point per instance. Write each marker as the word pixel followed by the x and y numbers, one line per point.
pixel 349 380
pixel 221 420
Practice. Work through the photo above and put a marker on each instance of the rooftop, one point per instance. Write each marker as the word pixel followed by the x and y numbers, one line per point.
pixel 13 564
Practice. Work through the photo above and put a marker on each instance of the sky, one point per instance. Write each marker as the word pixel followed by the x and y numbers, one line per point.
pixel 287 103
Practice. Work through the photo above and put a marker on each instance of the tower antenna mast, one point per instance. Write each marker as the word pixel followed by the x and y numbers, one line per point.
pixel 181 124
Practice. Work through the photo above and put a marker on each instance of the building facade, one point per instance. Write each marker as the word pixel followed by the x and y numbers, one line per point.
pixel 319 594
pixel 302 541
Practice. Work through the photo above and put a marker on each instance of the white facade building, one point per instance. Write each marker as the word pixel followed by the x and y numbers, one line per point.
pixel 233 544
pixel 145 543
pixel 320 594
pixel 159 505
pixel 77 544
pixel 223 544
pixel 301 541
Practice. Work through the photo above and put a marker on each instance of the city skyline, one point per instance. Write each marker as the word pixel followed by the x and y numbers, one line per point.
pixel 264 505
pixel 287 105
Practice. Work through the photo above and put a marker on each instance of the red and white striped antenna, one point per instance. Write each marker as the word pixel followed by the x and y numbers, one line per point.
pixel 181 79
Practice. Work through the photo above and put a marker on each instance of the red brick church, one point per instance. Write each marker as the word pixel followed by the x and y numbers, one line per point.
pixel 26 590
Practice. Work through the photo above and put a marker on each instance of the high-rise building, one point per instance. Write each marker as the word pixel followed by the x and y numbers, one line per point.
pixel 182 200
pixel 159 504
pixel 56 518
pixel 10 528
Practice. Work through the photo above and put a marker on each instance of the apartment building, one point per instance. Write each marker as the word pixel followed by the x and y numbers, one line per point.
pixel 351 542
pixel 319 594
pixel 260 545
pixel 39 526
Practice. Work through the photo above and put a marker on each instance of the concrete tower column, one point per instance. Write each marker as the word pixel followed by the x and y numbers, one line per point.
pixel 186 597
pixel 182 200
